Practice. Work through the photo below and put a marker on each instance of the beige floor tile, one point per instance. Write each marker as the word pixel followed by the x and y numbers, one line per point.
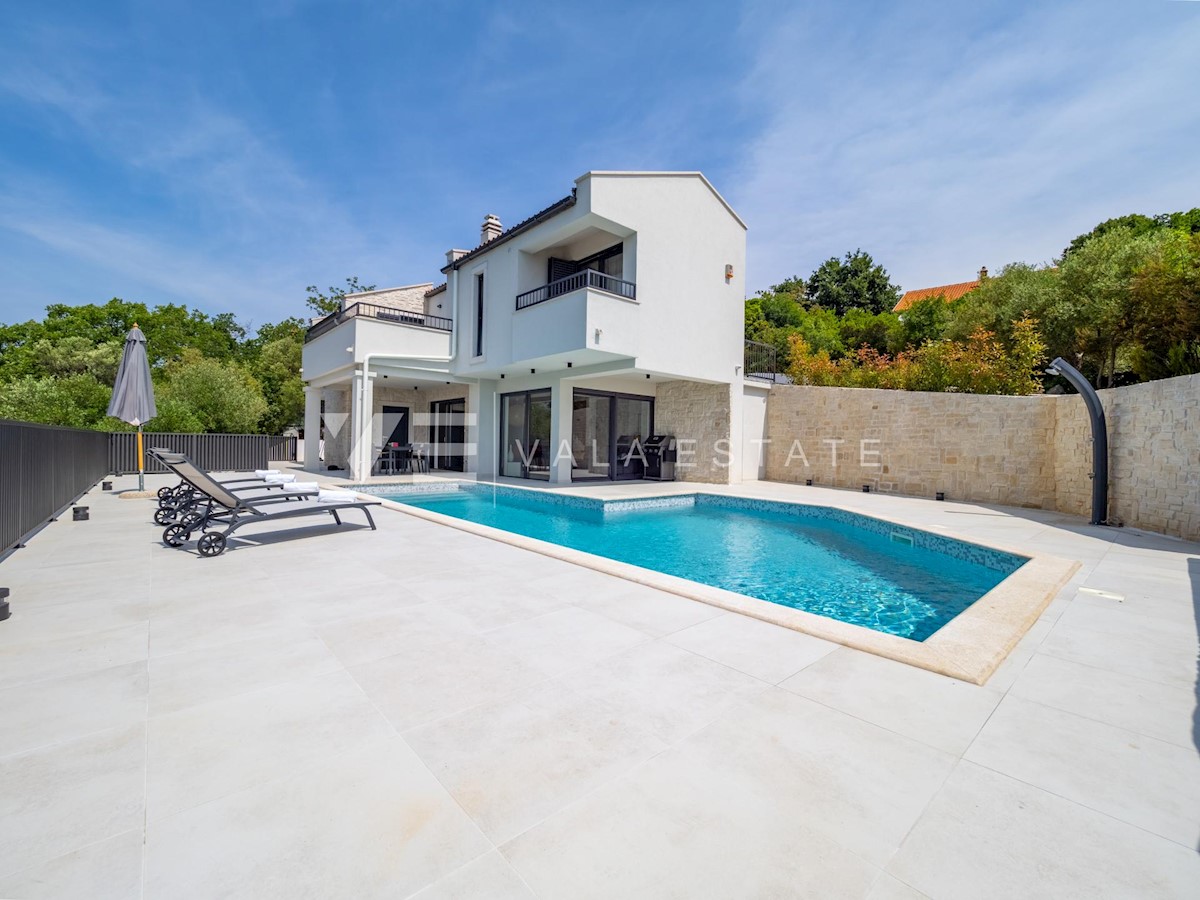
pixel 57 799
pixel 199 676
pixel 361 640
pixel 860 785
pixel 488 878
pixel 936 710
pixel 71 655
pixel 989 836
pixel 663 689
pixel 1137 779
pixel 766 651
pixel 60 709
pixel 566 639
pixel 107 870
pixel 208 751
pixel 675 829
pixel 372 823
pixel 511 764
pixel 429 683
pixel 1147 707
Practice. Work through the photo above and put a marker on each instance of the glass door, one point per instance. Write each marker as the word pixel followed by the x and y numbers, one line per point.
pixel 525 435
pixel 591 448
pixel 449 433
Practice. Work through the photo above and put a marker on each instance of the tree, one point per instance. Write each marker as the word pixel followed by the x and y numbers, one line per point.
pixel 853 282
pixel 1186 222
pixel 223 397
pixel 278 371
pixel 324 304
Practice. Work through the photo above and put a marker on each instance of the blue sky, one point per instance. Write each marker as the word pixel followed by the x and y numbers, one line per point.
pixel 225 155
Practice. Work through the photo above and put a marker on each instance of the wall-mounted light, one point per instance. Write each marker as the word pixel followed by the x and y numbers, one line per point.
pixel 598 333
pixel 728 272
pixel 533 371
pixel 570 364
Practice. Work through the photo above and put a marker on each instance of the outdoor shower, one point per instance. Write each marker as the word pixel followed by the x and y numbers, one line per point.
pixel 1099 473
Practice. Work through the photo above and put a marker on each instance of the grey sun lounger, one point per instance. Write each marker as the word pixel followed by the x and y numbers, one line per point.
pixel 176 504
pixel 227 512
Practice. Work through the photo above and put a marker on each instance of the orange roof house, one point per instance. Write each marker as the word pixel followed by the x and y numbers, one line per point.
pixel 948 291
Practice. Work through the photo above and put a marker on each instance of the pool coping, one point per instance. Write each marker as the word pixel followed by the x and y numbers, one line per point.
pixel 970 647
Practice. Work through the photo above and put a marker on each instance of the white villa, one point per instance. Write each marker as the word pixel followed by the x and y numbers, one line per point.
pixel 554 346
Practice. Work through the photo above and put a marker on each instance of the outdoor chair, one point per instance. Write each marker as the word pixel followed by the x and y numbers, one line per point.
pixel 178 502
pixel 226 512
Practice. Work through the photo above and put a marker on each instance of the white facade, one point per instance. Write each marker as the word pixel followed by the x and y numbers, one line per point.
pixel 633 281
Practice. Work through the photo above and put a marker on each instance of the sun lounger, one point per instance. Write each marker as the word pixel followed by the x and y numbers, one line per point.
pixel 228 511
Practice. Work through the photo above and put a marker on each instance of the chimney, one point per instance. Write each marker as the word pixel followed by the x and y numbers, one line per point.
pixel 491 229
pixel 983 273
pixel 453 256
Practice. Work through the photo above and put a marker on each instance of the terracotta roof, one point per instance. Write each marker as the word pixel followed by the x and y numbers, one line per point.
pixel 948 291
pixel 537 218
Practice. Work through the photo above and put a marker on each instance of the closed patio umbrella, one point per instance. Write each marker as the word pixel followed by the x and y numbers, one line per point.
pixel 133 394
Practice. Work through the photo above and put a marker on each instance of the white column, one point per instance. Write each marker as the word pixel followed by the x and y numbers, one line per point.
pixel 560 432
pixel 312 429
pixel 364 433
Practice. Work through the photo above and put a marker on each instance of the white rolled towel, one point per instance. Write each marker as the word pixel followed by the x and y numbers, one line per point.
pixel 263 473
pixel 279 479
pixel 336 497
pixel 301 487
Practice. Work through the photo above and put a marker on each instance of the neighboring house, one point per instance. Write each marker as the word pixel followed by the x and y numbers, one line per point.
pixel 948 292
pixel 613 314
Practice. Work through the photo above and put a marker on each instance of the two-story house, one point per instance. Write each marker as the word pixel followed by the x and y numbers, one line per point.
pixel 555 346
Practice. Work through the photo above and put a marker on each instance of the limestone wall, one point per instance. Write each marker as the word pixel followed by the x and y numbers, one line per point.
pixel 1154 455
pixel 1015 451
pixel 991 449
pixel 410 298
pixel 699 416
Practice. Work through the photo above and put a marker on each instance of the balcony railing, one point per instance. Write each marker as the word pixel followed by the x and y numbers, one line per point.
pixel 588 278
pixel 760 361
pixel 383 314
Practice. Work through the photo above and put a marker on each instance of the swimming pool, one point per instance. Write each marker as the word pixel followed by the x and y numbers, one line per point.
pixel 831 562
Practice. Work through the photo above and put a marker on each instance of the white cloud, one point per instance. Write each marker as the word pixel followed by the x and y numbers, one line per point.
pixel 939 146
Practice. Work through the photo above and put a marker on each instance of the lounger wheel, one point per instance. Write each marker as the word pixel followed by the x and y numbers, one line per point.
pixel 211 544
pixel 175 536
pixel 162 517
pixel 164 492
pixel 191 520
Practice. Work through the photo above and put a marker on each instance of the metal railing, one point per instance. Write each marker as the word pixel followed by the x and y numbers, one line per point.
pixel 383 314
pixel 43 469
pixel 760 361
pixel 215 452
pixel 588 278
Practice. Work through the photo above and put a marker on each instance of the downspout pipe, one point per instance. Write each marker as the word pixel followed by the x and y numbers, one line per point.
pixel 1095 410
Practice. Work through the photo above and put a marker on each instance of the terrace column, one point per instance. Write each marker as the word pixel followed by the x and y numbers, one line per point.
pixel 312 429
pixel 362 407
pixel 561 394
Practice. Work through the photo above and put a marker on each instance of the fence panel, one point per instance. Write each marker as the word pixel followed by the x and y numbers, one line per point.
pixel 216 452
pixel 43 469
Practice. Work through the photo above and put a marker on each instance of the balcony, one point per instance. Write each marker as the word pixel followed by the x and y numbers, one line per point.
pixel 382 314
pixel 588 278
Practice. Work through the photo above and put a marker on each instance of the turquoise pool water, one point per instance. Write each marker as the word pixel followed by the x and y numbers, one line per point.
pixel 825 561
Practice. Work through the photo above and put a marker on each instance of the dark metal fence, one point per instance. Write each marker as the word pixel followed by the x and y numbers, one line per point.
pixel 589 278
pixel 43 469
pixel 760 361
pixel 383 314
pixel 216 452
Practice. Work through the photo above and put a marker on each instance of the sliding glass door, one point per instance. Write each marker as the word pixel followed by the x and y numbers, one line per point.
pixel 607 434
pixel 525 435
pixel 449 433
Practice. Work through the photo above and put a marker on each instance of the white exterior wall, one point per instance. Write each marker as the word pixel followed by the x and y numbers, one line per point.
pixel 754 431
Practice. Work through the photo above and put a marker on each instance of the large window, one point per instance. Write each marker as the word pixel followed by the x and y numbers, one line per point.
pixel 479 314
pixel 525 435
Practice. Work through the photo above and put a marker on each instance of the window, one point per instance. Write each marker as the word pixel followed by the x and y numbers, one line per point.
pixel 479 314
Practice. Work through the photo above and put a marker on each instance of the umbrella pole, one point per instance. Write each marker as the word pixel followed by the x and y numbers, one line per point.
pixel 141 457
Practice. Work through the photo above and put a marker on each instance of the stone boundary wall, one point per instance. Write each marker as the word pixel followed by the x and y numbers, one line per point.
pixel 1013 451
pixel 409 299
pixel 699 416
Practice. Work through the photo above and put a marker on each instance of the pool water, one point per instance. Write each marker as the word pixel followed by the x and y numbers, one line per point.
pixel 816 559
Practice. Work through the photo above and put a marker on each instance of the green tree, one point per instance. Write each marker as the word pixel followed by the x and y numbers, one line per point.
pixel 925 320
pixel 324 304
pixel 855 281
pixel 223 396
pixel 278 371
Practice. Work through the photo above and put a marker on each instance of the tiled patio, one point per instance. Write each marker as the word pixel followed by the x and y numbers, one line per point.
pixel 420 711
